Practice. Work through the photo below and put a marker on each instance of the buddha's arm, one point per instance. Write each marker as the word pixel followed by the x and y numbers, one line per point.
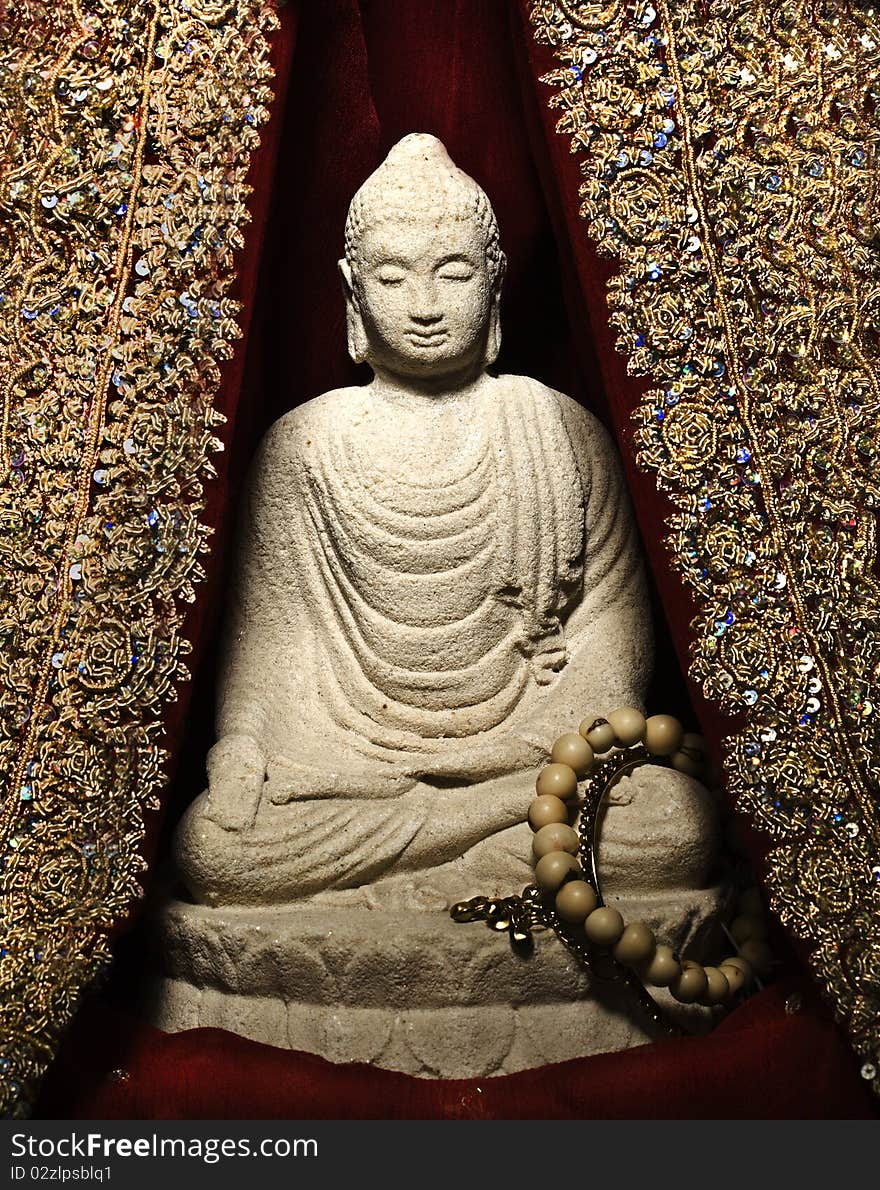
pixel 258 633
pixel 332 843
pixel 608 635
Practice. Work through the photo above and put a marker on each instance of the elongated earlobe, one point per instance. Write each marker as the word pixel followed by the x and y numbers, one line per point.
pixel 354 324
pixel 357 338
pixel 493 335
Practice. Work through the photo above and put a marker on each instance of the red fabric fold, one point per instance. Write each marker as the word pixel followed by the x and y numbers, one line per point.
pixel 761 1063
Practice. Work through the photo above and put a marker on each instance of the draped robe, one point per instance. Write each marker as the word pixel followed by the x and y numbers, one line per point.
pixel 404 643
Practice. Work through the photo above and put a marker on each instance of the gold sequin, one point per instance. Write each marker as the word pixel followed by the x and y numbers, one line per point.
pixel 730 161
pixel 127 130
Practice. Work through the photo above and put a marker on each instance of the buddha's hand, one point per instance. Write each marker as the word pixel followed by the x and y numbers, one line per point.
pixel 479 758
pixel 236 771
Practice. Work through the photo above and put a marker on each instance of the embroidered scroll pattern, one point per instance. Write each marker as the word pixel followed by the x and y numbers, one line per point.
pixel 126 130
pixel 730 160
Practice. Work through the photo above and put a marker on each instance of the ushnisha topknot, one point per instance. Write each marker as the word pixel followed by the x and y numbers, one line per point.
pixel 389 193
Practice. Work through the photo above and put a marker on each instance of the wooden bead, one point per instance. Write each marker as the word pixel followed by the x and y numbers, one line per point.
pixel 663 735
pixel 683 764
pixel 575 901
pixel 758 953
pixel 741 964
pixel 560 780
pixel 718 986
pixel 692 757
pixel 572 749
pixel 553 869
pixel 628 724
pixel 746 926
pixel 663 968
pixel 692 742
pixel 556 836
pixel 547 809
pixel 599 734
pixel 636 944
pixel 604 926
pixel 691 984
pixel 738 973
pixel 735 979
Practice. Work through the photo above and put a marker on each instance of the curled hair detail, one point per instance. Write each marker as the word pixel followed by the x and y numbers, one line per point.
pixel 382 196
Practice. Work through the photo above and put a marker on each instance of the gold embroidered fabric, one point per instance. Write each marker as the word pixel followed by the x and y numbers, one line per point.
pixel 730 161
pixel 126 128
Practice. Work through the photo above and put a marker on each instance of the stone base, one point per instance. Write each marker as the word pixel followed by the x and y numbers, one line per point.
pixel 414 992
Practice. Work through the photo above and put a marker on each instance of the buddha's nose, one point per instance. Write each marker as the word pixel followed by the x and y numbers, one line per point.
pixel 424 307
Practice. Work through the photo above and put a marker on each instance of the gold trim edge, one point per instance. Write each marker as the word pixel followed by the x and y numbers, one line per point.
pixel 127 129
pixel 730 153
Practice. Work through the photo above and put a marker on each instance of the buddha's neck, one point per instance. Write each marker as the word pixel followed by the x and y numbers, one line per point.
pixel 422 396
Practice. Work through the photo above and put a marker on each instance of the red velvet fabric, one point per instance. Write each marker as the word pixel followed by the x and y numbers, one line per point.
pixel 584 276
pixel 351 79
pixel 761 1063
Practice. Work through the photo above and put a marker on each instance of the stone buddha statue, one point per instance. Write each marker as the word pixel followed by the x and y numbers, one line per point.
pixel 438 574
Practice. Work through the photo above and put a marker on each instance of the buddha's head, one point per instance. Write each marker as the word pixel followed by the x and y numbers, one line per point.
pixel 423 268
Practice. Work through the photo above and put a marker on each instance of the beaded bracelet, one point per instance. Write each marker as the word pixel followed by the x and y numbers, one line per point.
pixel 567 896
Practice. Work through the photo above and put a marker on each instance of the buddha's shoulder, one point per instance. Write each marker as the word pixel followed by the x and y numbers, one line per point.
pixel 582 425
pixel 302 426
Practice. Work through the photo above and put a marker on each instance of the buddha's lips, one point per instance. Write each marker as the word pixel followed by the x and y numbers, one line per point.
pixel 426 338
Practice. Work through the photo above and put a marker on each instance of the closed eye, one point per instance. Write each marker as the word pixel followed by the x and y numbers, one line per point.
pixel 390 276
pixel 455 274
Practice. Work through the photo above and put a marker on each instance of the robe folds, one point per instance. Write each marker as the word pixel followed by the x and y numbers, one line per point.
pixel 404 647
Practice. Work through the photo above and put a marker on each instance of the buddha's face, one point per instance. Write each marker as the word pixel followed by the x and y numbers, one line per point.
pixel 425 294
